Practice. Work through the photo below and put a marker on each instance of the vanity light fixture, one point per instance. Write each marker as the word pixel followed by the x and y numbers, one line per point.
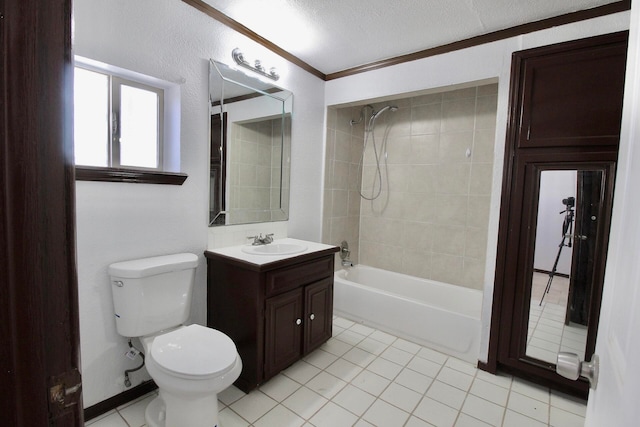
pixel 257 67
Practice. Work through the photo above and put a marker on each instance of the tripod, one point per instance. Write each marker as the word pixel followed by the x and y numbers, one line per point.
pixel 567 230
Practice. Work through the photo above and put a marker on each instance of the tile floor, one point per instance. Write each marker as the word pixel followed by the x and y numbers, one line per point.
pixel 365 377
pixel 548 334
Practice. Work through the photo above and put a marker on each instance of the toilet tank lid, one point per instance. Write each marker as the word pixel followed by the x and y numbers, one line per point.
pixel 151 266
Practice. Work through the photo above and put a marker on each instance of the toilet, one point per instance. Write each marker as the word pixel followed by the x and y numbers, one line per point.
pixel 190 364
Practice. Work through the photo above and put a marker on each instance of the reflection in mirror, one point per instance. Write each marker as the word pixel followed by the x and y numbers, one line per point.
pixel 250 148
pixel 569 210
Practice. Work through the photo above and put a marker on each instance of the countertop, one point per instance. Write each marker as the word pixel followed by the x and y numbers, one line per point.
pixel 260 260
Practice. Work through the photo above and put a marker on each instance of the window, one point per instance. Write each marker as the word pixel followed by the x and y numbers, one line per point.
pixel 118 122
pixel 127 125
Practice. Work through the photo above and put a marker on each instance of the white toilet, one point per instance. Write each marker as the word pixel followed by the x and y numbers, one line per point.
pixel 190 364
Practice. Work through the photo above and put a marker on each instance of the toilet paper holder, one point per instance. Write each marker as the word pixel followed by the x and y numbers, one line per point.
pixel 570 366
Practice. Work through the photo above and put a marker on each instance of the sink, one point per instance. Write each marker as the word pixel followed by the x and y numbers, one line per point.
pixel 275 249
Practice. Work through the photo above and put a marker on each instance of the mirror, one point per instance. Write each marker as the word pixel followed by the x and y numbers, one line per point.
pixel 570 215
pixel 250 147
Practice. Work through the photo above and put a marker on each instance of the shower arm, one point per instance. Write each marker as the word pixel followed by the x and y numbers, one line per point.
pixel 362 114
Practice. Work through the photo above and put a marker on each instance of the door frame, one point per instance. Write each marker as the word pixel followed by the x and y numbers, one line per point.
pixel 520 152
pixel 39 292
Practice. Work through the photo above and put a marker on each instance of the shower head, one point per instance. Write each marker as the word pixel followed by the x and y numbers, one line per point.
pixel 382 110
pixel 375 115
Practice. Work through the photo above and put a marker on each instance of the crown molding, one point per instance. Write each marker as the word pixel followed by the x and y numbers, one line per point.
pixel 235 25
pixel 567 18
pixel 518 30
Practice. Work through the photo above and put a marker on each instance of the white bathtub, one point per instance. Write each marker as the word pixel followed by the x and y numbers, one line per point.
pixel 437 315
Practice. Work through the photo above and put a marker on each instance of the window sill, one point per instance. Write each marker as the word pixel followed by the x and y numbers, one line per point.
pixel 89 173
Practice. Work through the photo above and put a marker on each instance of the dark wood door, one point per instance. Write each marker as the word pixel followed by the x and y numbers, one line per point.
pixel 38 292
pixel 586 251
pixel 283 331
pixel 318 317
pixel 559 121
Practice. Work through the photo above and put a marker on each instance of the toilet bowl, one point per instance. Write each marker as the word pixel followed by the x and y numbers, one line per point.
pixel 190 365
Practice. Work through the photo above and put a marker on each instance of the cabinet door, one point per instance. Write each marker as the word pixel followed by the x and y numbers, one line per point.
pixel 572 93
pixel 283 332
pixel 318 298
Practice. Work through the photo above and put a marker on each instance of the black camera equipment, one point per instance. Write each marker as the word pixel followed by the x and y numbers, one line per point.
pixel 567 233
pixel 569 202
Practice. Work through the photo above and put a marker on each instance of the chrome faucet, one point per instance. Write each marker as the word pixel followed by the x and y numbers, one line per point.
pixel 344 254
pixel 347 263
pixel 259 240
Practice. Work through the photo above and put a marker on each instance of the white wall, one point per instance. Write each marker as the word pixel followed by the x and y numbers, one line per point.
pixel 172 41
pixel 473 64
pixel 554 187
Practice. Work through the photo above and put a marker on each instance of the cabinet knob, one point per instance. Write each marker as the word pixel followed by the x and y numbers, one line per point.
pixel 299 322
pixel 313 316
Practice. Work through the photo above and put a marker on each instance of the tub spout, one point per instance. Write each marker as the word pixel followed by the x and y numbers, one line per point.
pixel 344 254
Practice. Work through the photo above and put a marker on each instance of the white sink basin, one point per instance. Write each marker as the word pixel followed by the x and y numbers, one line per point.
pixel 274 249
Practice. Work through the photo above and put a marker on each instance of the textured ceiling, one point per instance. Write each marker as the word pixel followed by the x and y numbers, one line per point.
pixel 334 35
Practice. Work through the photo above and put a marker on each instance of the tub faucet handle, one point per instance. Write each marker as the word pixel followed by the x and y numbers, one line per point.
pixel 344 250
pixel 344 254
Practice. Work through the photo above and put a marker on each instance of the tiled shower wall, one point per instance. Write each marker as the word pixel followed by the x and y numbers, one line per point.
pixel 431 219
pixel 255 155
pixel 341 214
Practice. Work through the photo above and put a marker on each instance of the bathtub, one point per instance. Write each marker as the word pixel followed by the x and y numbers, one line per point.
pixel 437 315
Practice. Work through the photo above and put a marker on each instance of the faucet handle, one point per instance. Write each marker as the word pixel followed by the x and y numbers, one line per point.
pixel 255 239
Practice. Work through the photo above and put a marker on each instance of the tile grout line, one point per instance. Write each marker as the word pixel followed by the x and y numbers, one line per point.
pixel 374 353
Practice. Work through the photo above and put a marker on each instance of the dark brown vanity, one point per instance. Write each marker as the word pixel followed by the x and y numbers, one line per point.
pixel 275 311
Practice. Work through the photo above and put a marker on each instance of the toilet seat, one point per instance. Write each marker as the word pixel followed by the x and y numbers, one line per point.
pixel 194 352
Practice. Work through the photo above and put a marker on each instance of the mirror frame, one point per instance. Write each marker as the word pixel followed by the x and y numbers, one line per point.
pixel 551 262
pixel 228 85
pixel 526 258
pixel 514 267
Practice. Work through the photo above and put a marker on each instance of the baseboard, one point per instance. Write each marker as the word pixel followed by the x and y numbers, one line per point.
pixel 119 400
pixel 487 367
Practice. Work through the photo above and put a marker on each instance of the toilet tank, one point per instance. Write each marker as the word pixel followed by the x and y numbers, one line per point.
pixel 152 294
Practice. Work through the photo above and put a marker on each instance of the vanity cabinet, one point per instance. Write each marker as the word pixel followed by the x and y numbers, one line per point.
pixel 297 322
pixel 276 312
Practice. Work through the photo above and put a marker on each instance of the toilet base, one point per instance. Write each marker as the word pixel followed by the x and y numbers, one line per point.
pixel 153 411
pixel 201 412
